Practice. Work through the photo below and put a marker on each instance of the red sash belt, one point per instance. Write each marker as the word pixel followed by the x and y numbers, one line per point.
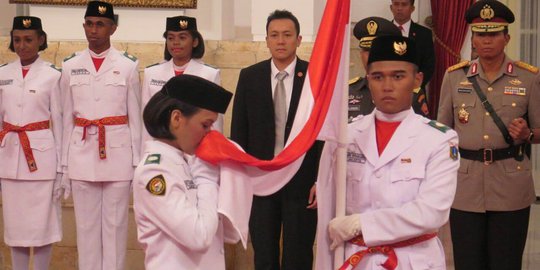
pixel 101 123
pixel 388 250
pixel 23 138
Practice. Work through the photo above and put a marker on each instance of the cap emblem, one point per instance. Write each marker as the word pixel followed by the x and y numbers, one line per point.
pixel 487 13
pixel 183 24
pixel 27 23
pixel 372 28
pixel 102 10
pixel 400 48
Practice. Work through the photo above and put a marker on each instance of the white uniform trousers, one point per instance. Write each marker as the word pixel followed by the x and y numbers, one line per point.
pixel 101 215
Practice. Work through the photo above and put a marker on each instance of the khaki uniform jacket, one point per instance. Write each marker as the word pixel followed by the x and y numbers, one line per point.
pixel 504 185
pixel 112 91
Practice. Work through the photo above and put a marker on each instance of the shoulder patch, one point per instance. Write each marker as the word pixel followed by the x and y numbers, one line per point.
pixel 441 127
pixel 155 64
pixel 69 57
pixel 153 159
pixel 459 65
pixel 55 67
pixel 527 66
pixel 130 57
pixel 353 80
pixel 157 185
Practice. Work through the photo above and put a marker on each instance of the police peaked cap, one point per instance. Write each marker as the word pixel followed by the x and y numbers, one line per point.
pixel 99 9
pixel 26 23
pixel 393 48
pixel 180 23
pixel 198 92
pixel 489 16
pixel 369 28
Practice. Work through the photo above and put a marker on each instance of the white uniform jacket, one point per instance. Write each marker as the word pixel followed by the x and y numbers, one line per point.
pixel 34 98
pixel 112 91
pixel 176 210
pixel 155 76
pixel 404 193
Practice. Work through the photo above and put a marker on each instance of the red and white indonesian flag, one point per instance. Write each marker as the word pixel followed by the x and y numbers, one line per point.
pixel 242 175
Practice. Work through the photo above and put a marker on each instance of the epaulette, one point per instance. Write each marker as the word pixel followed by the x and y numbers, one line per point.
pixel 210 66
pixel 154 64
pixel 3 64
pixel 55 67
pixel 130 57
pixel 354 80
pixel 459 65
pixel 527 66
pixel 69 57
pixel 437 125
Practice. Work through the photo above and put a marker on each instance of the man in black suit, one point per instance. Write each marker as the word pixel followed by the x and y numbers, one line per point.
pixel 255 126
pixel 402 11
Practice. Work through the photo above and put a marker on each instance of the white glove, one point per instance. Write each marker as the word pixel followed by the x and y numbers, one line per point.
pixel 344 228
pixel 65 184
pixel 57 187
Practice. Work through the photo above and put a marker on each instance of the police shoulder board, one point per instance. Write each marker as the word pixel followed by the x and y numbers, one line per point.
pixel 527 66
pixel 459 66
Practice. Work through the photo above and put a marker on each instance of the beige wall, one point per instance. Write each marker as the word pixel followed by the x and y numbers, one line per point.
pixel 230 57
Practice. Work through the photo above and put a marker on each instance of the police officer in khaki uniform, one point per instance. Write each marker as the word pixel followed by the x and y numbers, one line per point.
pixel 490 214
pixel 360 101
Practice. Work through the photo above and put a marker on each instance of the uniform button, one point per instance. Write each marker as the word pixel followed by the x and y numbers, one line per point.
pixel 96 98
pixel 16 143
pixel 487 113
pixel 378 174
pixel 513 104
pixel 519 167
pixel 463 105
pixel 486 137
pixel 490 89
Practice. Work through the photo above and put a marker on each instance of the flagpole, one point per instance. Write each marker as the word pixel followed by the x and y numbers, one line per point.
pixel 341 152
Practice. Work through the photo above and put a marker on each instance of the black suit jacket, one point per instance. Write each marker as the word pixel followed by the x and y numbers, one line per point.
pixel 253 124
pixel 424 47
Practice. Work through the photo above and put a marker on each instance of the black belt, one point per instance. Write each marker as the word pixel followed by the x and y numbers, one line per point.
pixel 490 155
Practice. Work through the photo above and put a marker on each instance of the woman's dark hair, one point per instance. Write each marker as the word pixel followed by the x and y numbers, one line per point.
pixel 157 114
pixel 197 53
pixel 40 33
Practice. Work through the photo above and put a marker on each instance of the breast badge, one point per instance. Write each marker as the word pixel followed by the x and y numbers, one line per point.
pixel 156 185
pixel 463 116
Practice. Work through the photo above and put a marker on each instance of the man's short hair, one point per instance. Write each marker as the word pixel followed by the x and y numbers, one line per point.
pixel 283 14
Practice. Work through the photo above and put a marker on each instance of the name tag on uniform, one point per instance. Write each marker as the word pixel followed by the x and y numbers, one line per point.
pixel 80 71
pixel 464 90
pixel 356 157
pixel 516 91
pixel 354 108
pixel 157 82
pixel 6 82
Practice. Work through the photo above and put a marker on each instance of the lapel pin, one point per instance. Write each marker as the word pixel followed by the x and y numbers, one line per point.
pixel 300 74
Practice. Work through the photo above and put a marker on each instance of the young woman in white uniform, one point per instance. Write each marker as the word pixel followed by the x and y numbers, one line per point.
pixel 175 202
pixel 184 48
pixel 30 141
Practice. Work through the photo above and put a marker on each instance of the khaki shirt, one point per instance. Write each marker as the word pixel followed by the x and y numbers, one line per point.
pixel 504 185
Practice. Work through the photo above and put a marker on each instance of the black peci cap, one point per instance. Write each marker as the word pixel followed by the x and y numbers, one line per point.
pixel 489 16
pixel 198 92
pixel 180 23
pixel 99 9
pixel 26 23
pixel 393 48
pixel 369 28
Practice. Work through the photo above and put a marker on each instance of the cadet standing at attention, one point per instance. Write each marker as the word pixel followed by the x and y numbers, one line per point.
pixel 102 128
pixel 493 104
pixel 184 48
pixel 30 147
